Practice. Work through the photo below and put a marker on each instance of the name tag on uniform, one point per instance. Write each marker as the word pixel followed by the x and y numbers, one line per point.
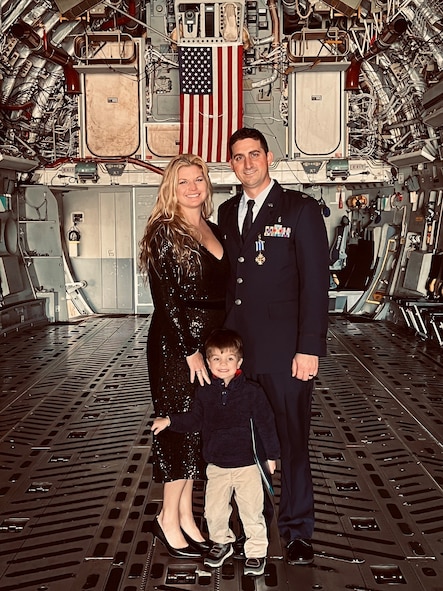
pixel 278 231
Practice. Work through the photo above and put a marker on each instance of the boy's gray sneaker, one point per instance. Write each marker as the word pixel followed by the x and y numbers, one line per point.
pixel 254 566
pixel 218 554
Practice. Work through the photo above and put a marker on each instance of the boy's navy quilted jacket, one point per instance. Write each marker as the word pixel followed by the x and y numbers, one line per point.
pixel 222 415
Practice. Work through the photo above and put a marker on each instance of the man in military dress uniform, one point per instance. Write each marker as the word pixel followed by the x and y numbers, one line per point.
pixel 278 302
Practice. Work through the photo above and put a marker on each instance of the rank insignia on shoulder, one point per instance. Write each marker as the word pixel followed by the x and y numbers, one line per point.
pixel 278 231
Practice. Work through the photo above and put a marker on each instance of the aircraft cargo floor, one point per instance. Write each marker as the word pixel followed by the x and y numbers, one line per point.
pixel 77 500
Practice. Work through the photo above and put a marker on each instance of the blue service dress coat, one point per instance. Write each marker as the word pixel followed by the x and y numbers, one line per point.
pixel 278 302
pixel 278 290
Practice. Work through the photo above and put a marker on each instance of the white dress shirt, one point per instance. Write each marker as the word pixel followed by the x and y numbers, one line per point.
pixel 259 200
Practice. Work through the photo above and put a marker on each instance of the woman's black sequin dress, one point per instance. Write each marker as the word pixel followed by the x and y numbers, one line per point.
pixel 187 307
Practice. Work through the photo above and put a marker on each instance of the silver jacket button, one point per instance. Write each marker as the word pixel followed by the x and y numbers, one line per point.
pixel 238 302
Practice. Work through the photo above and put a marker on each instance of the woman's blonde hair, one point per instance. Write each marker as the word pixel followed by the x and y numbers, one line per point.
pixel 167 223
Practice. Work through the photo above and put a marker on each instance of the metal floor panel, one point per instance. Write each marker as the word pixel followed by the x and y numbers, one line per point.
pixel 77 499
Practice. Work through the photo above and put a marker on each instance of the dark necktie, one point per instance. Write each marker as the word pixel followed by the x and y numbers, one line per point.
pixel 247 223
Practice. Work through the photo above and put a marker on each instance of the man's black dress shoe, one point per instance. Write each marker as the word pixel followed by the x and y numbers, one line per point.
pixel 203 547
pixel 186 552
pixel 299 551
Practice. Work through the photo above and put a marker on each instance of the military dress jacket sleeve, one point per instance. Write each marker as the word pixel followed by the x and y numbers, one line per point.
pixel 278 290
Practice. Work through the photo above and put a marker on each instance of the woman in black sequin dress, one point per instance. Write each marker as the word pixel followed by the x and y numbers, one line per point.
pixel 182 253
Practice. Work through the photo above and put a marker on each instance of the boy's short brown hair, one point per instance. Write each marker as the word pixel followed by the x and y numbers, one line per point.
pixel 224 339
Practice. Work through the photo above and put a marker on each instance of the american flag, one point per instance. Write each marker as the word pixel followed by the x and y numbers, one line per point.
pixel 211 105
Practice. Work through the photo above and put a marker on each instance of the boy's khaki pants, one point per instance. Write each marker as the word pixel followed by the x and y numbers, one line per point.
pixel 246 485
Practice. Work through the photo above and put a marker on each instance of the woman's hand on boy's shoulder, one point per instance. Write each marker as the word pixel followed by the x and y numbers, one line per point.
pixel 197 368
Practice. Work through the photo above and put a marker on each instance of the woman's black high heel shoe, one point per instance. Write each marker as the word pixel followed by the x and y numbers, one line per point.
pixel 186 552
pixel 203 547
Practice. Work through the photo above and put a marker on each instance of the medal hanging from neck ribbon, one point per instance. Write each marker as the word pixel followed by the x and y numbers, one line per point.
pixel 259 248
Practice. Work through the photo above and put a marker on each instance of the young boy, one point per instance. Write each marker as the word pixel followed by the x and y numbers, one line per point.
pixel 222 411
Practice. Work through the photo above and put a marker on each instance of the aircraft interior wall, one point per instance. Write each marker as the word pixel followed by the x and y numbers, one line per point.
pixel 77 250
pixel 97 97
